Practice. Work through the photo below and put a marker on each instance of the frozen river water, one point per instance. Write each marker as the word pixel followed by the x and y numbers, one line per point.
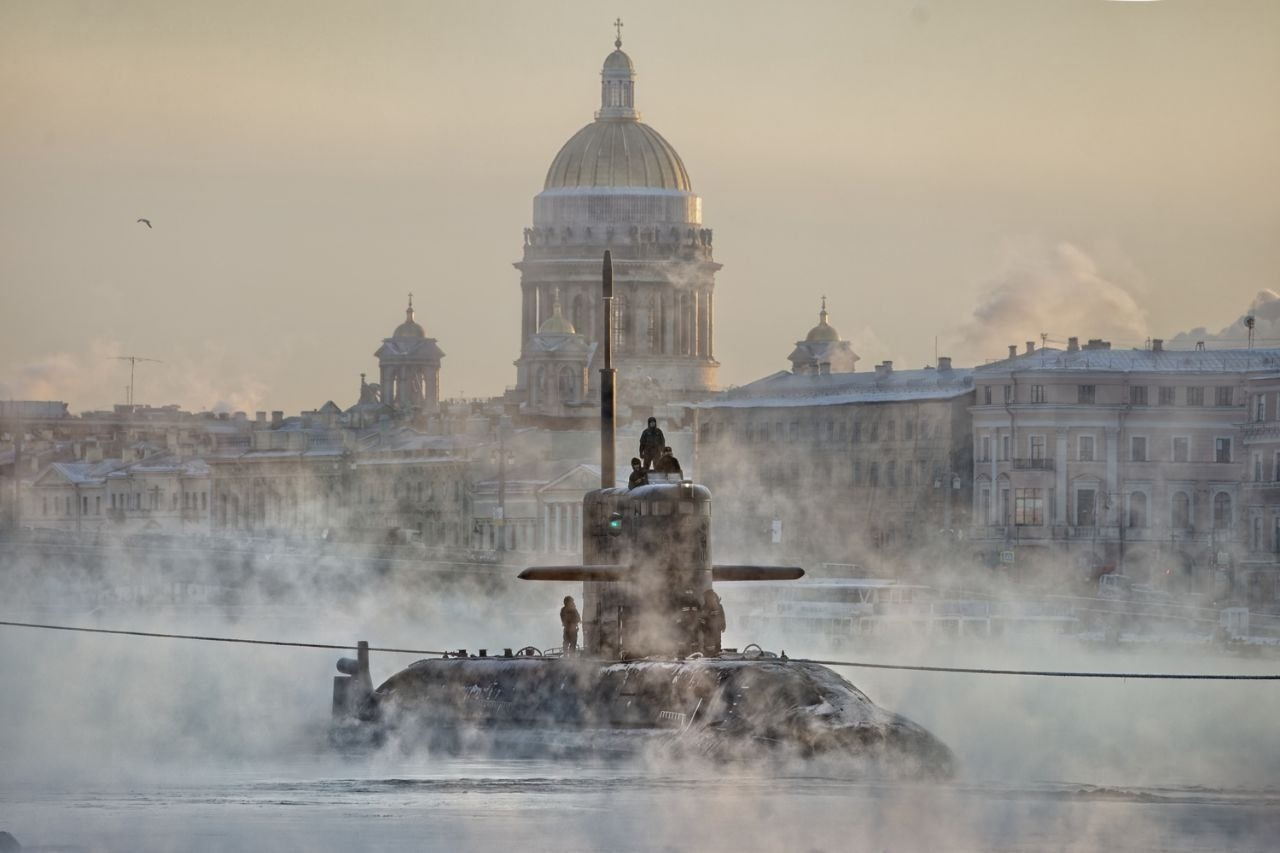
pixel 315 804
pixel 122 744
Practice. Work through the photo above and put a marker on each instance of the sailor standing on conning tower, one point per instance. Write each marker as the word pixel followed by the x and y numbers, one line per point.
pixel 651 443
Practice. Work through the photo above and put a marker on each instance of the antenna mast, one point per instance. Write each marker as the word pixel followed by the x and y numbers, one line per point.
pixel 608 381
pixel 133 362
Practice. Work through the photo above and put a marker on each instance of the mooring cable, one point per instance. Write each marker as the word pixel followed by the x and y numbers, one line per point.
pixel 211 639
pixel 1171 676
pixel 1176 676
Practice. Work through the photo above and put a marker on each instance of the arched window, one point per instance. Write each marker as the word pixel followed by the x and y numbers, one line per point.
pixel 1137 509
pixel 1180 511
pixel 1221 511
pixel 566 386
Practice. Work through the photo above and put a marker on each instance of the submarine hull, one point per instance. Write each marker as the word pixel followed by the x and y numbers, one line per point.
pixel 722 708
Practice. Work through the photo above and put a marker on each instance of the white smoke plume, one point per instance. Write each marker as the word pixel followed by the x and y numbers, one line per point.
pixel 1265 309
pixel 95 378
pixel 1053 289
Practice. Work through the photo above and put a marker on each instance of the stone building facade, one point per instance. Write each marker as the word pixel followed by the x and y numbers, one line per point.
pixel 854 468
pixel 1258 573
pixel 1091 460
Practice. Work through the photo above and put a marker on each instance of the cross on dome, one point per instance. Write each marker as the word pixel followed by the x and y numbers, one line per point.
pixel 617 25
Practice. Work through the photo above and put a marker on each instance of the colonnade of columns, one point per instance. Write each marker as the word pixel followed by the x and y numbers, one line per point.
pixel 562 526
pixel 651 320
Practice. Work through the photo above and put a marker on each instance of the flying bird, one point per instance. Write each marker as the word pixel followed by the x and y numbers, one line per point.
pixel 147 221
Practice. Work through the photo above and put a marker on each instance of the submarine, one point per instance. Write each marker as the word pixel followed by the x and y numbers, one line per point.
pixel 650 676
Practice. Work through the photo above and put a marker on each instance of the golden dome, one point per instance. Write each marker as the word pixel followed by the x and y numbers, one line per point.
pixel 409 328
pixel 618 153
pixel 556 324
pixel 617 149
pixel 823 331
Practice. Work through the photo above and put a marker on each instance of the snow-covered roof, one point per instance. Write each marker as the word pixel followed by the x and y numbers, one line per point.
pixel 832 389
pixel 1140 361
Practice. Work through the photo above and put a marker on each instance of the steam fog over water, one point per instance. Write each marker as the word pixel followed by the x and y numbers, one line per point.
pixel 125 743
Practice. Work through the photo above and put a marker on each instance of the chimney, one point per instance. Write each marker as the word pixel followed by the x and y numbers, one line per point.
pixel 260 417
pixel 1031 347
pixel 1073 345
pixel 1097 343
pixel 944 362
pixel 1013 350
pixel 884 369
pixel 277 418
pixel 1157 344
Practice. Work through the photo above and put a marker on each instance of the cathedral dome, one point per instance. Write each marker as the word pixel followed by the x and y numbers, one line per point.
pixel 409 328
pixel 824 331
pixel 617 149
pixel 618 153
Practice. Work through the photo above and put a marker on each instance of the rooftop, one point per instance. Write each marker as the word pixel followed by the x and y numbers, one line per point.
pixel 884 385
pixel 1140 360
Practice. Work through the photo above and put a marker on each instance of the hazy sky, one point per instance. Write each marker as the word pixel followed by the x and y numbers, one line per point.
pixel 979 172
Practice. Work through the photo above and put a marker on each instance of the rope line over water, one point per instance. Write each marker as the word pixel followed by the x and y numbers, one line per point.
pixel 209 639
pixel 1172 676
pixel 1168 676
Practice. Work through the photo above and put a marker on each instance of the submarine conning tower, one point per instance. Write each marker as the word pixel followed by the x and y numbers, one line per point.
pixel 646 551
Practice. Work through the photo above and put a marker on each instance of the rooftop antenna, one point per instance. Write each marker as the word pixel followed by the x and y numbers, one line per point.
pixel 1249 322
pixel 133 363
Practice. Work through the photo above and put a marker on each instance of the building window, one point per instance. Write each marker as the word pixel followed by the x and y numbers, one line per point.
pixel 1084 451
pixel 1195 396
pixel 857 431
pixel 1005 507
pixel 44 506
pixel 984 452
pixel 1260 407
pixel 856 476
pixel 890 430
pixel 1221 511
pixel 986 395
pixel 1166 395
pixel 1028 507
pixel 1181 449
pixel 1138 395
pixel 1004 447
pixel 1086 393
pixel 1180 511
pixel 1222 450
pixel 1275 467
pixel 908 429
pixel 1036 446
pixel 873 474
pixel 1086 508
pixel 1255 541
pixel 1008 393
pixel 1137 509
pixel 984 505
pixel 1257 467
pixel 1222 395
pixel 1138 448
pixel 891 473
pixel 873 433
pixel 1037 393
